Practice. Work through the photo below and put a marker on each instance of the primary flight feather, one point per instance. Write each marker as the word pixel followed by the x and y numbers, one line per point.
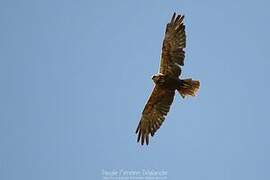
pixel 167 81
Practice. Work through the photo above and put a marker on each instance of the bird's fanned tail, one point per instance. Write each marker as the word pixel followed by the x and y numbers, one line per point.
pixel 188 87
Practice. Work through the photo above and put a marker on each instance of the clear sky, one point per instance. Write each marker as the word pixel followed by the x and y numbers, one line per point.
pixel 75 76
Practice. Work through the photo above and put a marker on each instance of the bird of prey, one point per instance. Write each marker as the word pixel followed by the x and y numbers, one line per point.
pixel 167 81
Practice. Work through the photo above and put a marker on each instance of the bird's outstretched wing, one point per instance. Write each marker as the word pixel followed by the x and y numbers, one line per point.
pixel 173 55
pixel 153 115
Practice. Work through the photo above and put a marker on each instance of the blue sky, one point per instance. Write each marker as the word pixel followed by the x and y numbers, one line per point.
pixel 75 76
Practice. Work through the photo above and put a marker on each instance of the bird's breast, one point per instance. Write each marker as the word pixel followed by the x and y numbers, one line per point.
pixel 169 82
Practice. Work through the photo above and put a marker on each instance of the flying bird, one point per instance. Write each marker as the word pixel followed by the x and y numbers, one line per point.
pixel 167 81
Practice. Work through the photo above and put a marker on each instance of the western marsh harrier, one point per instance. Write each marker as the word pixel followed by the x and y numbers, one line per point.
pixel 167 81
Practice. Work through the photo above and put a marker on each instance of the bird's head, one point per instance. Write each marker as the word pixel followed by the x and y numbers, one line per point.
pixel 157 78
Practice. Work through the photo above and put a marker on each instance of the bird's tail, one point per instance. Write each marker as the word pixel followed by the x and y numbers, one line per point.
pixel 188 87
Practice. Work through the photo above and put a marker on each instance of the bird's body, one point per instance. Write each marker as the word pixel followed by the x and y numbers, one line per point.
pixel 167 81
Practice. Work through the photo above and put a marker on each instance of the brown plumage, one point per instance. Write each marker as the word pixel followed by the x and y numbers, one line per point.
pixel 167 80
